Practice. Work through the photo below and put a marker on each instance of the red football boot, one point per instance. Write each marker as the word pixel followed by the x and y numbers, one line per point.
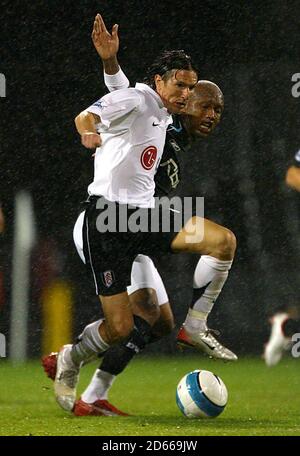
pixel 49 363
pixel 101 407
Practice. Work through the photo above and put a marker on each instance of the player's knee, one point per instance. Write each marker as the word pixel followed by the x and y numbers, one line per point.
pixel 226 245
pixel 119 331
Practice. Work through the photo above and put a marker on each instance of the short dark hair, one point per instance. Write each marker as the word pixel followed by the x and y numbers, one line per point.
pixel 166 62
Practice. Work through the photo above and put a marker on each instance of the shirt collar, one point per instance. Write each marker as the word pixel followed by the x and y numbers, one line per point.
pixel 146 88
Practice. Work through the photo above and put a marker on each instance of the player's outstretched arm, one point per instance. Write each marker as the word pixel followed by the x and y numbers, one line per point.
pixel 86 126
pixel 292 178
pixel 106 44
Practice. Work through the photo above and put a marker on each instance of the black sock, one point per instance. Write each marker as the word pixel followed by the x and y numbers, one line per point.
pixel 118 356
pixel 153 338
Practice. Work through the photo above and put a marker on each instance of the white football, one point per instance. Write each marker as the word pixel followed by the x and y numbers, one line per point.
pixel 201 394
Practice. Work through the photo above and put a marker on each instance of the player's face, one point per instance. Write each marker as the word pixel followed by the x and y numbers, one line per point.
pixel 175 89
pixel 204 113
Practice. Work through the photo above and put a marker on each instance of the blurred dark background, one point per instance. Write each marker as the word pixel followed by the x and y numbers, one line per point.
pixel 251 50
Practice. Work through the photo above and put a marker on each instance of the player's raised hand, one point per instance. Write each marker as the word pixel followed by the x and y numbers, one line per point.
pixel 106 44
pixel 91 140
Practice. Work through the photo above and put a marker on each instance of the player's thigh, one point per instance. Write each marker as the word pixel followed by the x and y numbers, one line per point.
pixel 118 315
pixel 205 237
pixel 147 290
pixel 144 304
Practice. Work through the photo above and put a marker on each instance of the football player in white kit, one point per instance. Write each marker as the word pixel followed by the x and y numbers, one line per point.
pixel 142 264
pixel 133 124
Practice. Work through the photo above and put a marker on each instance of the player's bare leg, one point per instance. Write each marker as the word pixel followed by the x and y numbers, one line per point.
pixel 217 246
pixel 96 338
pixel 144 303
pixel 165 323
pixel 94 400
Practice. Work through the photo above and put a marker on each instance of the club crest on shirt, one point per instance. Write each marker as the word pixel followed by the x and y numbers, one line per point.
pixel 148 157
pixel 108 278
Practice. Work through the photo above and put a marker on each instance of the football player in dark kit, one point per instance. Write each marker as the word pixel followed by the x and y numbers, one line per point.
pixel 204 110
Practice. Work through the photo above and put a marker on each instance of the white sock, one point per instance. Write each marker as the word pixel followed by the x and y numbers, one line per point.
pixel 209 277
pixel 90 344
pixel 98 387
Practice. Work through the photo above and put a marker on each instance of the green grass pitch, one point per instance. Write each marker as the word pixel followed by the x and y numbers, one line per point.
pixel 262 401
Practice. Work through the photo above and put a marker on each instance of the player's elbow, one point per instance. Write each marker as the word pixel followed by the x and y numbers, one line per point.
pixel 79 121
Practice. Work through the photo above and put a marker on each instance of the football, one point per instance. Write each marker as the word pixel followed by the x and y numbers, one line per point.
pixel 201 394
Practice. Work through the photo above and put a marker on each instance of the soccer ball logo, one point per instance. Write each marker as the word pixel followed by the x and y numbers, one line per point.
pixel 201 394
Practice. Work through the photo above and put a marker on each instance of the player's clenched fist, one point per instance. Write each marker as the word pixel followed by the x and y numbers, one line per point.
pixel 91 140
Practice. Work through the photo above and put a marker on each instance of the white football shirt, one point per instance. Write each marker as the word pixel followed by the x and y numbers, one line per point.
pixel 133 130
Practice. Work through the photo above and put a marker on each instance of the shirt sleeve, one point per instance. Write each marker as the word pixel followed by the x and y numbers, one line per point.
pixel 118 108
pixel 116 81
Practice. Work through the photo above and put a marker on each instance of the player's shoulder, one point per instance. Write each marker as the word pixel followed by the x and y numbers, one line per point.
pixel 122 94
pixel 147 93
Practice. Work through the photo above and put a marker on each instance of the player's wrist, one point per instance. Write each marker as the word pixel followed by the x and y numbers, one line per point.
pixel 111 65
pixel 89 132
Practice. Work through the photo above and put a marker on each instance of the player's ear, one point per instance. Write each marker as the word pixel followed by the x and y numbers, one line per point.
pixel 158 81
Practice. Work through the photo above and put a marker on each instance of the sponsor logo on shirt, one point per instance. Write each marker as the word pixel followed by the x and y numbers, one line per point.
pixel 148 157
